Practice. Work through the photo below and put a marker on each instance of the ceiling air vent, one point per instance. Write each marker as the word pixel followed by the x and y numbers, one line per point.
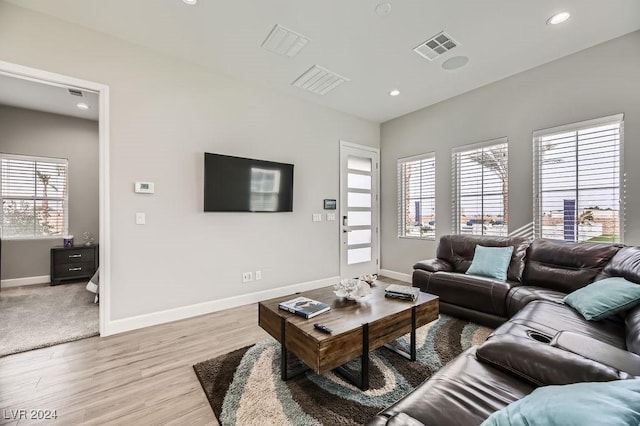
pixel 436 46
pixel 319 80
pixel 75 92
pixel 285 42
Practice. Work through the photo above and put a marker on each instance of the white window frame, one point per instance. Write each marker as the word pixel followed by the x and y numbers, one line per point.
pixel 456 156
pixel 537 158
pixel 425 193
pixel 64 199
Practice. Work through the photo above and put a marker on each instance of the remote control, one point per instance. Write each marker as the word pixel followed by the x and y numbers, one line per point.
pixel 322 328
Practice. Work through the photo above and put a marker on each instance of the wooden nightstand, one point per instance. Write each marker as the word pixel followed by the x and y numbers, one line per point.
pixel 73 263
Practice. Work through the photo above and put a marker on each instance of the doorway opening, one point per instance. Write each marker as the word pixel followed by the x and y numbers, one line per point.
pixel 66 192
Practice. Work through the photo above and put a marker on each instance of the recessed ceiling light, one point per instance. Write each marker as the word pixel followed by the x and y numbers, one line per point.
pixel 558 18
pixel 83 106
pixel 190 2
pixel 455 62
pixel 394 92
pixel 383 9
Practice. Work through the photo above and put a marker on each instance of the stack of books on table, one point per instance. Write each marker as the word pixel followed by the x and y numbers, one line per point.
pixel 304 307
pixel 402 292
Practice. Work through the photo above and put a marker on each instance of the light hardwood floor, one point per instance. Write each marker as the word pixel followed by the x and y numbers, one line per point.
pixel 143 377
pixel 138 378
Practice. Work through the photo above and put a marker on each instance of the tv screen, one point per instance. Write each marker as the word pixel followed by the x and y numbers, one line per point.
pixel 234 184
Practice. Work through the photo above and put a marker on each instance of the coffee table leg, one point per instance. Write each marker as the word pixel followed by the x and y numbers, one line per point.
pixel 413 334
pixel 411 355
pixel 363 381
pixel 364 371
pixel 283 349
pixel 284 356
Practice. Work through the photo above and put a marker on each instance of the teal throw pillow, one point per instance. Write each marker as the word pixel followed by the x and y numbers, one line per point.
pixel 604 298
pixel 579 404
pixel 492 262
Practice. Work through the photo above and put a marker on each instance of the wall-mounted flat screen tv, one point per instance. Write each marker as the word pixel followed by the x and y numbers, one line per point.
pixel 235 184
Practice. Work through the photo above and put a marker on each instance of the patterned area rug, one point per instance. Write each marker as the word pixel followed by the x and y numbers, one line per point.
pixel 244 386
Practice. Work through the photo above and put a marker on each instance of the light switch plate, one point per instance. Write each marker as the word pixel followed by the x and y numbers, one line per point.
pixel 331 216
pixel 141 218
pixel 317 217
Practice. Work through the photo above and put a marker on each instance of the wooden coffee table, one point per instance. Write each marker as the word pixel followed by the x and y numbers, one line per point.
pixel 358 327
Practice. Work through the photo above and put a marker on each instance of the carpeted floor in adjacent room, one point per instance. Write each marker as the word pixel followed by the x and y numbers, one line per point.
pixel 38 316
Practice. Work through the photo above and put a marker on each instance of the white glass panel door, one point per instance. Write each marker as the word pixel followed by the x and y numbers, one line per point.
pixel 358 211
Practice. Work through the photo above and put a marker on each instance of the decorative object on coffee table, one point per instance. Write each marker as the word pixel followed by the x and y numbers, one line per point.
pixel 352 289
pixel 369 278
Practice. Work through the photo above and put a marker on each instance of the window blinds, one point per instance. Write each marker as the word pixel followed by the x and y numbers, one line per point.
pixel 417 196
pixel 481 188
pixel 577 181
pixel 33 191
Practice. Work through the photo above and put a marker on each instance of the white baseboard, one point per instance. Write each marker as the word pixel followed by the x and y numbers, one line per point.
pixel 396 275
pixel 17 282
pixel 175 314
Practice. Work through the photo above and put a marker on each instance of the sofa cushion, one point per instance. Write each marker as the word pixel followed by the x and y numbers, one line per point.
pixel 604 298
pixel 458 250
pixel 625 264
pixel 609 403
pixel 464 392
pixel 434 265
pixel 479 293
pixel 632 330
pixel 542 364
pixel 565 266
pixel 519 296
pixel 550 318
pixel 491 262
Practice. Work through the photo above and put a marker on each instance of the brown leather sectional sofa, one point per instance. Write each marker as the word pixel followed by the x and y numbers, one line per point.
pixel 539 340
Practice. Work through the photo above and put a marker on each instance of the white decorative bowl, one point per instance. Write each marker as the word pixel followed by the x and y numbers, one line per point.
pixel 352 289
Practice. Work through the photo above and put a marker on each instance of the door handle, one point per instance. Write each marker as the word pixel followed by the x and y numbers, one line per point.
pixel 344 221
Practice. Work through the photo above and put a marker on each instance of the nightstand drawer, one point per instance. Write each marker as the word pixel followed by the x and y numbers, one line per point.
pixel 77 269
pixel 71 263
pixel 74 255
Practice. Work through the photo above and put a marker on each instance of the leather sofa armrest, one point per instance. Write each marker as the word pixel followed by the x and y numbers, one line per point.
pixel 542 364
pixel 598 351
pixel 434 265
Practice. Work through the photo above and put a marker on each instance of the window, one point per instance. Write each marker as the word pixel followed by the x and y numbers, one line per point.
pixel 481 188
pixel 577 180
pixel 33 191
pixel 417 197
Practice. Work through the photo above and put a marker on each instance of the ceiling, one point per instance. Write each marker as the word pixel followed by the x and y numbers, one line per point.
pixel 500 38
pixel 37 96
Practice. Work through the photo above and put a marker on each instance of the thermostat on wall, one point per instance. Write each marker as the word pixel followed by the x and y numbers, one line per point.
pixel 144 188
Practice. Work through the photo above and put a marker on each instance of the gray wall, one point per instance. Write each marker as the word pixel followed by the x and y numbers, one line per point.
pixel 165 113
pixel 49 135
pixel 596 82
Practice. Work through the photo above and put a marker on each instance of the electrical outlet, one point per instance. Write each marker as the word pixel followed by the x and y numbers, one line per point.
pixel 247 276
pixel 258 275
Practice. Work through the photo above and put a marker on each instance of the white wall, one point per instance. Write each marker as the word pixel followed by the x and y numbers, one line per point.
pixel 596 82
pixel 165 113
pixel 42 134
